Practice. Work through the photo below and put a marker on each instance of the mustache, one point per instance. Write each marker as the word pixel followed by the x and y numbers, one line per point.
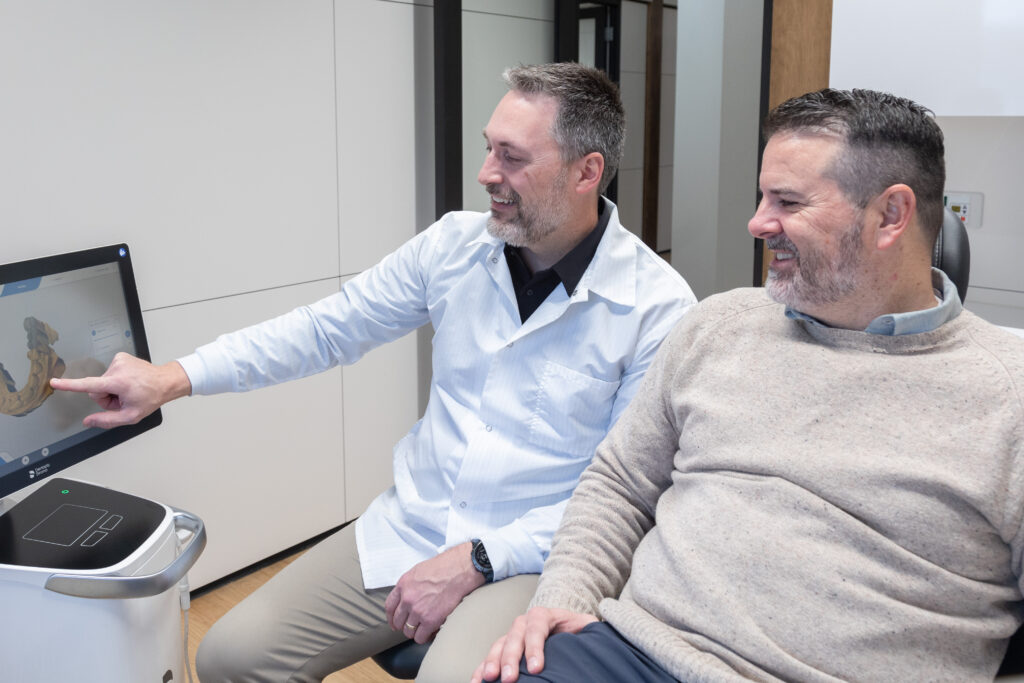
pixel 497 191
pixel 781 243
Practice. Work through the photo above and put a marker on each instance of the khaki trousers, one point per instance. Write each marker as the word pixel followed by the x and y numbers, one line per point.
pixel 314 617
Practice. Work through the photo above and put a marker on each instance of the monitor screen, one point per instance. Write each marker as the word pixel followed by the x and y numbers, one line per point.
pixel 61 316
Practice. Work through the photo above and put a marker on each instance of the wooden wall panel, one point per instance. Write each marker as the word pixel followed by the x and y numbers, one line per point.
pixel 801 47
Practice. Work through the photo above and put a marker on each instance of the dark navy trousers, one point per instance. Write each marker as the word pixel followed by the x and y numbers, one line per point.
pixel 597 654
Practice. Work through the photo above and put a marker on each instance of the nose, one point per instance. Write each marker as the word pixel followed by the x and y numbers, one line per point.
pixel 489 174
pixel 764 224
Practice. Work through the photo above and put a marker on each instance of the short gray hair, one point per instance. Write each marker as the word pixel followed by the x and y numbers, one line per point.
pixel 887 140
pixel 590 114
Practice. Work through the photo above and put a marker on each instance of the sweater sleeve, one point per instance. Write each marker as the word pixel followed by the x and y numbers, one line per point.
pixel 613 506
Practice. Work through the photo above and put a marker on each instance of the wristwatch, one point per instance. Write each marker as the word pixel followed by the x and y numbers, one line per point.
pixel 481 562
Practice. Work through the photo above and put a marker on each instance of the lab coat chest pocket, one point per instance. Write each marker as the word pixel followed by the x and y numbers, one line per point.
pixel 571 410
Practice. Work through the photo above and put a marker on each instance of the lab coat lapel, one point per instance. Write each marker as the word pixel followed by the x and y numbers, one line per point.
pixel 497 268
pixel 611 275
pixel 553 308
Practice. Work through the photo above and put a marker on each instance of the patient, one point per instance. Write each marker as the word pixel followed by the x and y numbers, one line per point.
pixel 820 480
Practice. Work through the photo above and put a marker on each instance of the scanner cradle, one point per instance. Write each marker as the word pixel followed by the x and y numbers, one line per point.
pixel 70 525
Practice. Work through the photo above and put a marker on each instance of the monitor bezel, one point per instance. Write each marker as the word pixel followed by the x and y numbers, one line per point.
pixel 120 255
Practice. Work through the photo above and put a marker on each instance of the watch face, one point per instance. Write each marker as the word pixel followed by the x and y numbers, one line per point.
pixel 481 562
pixel 480 553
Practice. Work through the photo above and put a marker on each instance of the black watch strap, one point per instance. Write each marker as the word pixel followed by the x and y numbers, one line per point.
pixel 481 562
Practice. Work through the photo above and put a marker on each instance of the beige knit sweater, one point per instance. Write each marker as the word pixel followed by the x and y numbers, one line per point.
pixel 787 501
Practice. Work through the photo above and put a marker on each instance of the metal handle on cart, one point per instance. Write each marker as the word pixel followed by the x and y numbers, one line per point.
pixel 114 587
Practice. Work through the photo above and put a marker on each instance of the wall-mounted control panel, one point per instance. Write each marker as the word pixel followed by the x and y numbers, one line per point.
pixel 967 205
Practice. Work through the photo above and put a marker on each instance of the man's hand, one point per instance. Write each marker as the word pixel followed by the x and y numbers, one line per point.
pixel 129 390
pixel 526 638
pixel 426 594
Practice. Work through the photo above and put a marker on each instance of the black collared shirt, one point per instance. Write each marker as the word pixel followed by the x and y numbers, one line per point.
pixel 532 289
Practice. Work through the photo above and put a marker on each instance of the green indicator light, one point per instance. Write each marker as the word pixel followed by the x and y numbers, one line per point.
pixel 65 492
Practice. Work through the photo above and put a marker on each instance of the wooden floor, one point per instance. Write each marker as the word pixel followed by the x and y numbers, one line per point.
pixel 210 605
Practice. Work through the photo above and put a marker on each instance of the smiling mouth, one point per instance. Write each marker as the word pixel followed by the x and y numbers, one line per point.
pixel 783 249
pixel 501 196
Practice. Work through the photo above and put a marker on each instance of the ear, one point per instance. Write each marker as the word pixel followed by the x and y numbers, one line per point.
pixel 587 172
pixel 897 206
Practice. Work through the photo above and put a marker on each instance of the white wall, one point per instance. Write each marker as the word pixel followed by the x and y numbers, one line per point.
pixel 255 154
pixel 495 35
pixel 201 132
pixel 963 61
pixel 958 57
pixel 253 157
pixel 983 154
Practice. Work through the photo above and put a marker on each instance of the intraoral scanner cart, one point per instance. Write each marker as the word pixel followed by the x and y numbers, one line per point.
pixel 92 580
pixel 89 586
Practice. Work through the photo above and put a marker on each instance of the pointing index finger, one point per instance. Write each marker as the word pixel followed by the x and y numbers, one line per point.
pixel 84 385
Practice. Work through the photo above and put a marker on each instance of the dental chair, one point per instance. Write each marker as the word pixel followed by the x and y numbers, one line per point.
pixel 952 252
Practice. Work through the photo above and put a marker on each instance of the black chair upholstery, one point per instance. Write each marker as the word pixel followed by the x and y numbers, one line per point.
pixel 1013 662
pixel 403 660
pixel 952 252
pixel 951 255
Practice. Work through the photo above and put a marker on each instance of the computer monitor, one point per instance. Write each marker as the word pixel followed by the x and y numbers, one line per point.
pixel 62 316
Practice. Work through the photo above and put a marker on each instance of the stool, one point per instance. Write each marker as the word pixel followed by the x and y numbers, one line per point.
pixel 403 660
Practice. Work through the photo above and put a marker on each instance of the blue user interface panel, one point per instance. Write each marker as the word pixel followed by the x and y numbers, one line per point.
pixel 61 316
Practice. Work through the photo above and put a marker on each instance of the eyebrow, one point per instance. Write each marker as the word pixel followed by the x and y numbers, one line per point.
pixel 782 191
pixel 505 145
